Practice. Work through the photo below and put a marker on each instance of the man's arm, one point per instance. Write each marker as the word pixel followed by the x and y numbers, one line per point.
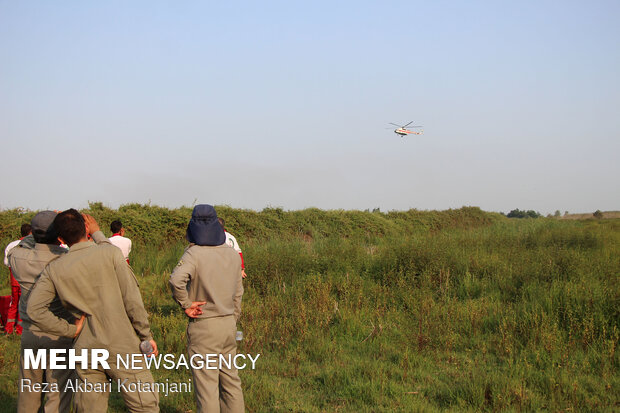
pixel 238 295
pixel 42 294
pixel 132 299
pixel 178 284
pixel 99 238
pixel 6 255
pixel 92 228
pixel 7 250
pixel 237 248
pixel 27 242
pixel 180 277
pixel 235 244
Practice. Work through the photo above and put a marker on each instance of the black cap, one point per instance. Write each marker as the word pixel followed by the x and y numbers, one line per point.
pixel 42 227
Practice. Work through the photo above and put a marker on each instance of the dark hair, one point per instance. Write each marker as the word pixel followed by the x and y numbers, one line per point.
pixel 116 226
pixel 222 222
pixel 70 226
pixel 26 229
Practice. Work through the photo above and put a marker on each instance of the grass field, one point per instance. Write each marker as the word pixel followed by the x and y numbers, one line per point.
pixel 459 310
pixel 604 215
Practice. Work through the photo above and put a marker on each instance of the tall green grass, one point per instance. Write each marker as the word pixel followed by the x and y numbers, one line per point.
pixel 439 311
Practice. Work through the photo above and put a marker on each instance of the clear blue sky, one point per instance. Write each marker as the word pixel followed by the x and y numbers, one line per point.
pixel 255 104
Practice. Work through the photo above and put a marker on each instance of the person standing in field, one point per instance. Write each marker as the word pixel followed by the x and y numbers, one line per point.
pixel 27 261
pixel 207 285
pixel 231 241
pixel 119 240
pixel 13 322
pixel 95 283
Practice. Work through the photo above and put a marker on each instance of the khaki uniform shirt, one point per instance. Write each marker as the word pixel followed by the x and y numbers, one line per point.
pixel 211 274
pixel 97 281
pixel 27 260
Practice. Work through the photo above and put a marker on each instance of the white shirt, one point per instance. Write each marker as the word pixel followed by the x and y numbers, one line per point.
pixel 232 242
pixel 9 248
pixel 123 243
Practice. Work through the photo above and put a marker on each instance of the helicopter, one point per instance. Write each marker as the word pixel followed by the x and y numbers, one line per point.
pixel 403 131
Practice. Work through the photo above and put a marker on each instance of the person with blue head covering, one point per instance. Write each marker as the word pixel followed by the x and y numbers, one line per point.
pixel 204 228
pixel 207 285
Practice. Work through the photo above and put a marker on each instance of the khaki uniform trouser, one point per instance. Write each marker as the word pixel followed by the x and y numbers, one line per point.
pixel 28 400
pixel 216 390
pixel 135 401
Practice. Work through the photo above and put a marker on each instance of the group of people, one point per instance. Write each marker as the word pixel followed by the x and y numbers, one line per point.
pixel 12 323
pixel 79 292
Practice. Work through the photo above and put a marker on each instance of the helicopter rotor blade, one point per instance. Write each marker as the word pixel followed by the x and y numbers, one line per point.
pixel 408 124
pixel 395 124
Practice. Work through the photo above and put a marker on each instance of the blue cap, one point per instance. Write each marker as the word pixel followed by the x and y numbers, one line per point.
pixel 204 228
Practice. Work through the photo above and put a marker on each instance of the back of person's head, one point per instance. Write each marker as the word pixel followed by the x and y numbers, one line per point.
pixel 25 230
pixel 204 228
pixel 70 226
pixel 222 222
pixel 116 226
pixel 43 230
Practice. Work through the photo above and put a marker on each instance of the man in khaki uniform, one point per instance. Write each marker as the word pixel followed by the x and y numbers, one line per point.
pixel 207 284
pixel 95 282
pixel 27 260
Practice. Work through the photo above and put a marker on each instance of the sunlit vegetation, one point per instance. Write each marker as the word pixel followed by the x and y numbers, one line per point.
pixel 458 310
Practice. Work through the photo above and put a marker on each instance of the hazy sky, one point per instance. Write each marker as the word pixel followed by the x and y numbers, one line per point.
pixel 255 104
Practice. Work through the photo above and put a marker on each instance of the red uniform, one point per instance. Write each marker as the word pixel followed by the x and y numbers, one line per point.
pixel 14 321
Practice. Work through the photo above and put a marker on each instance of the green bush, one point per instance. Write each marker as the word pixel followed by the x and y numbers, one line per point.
pixel 457 310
